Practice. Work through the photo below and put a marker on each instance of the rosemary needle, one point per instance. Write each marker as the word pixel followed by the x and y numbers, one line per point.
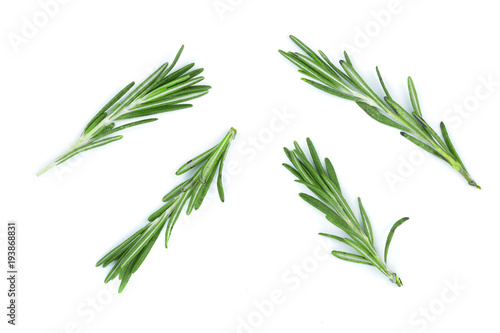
pixel 130 254
pixel 162 91
pixel 348 84
pixel 323 183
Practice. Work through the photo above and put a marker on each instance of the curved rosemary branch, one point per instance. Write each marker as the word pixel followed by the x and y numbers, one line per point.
pixel 323 183
pixel 348 84
pixel 130 254
pixel 161 92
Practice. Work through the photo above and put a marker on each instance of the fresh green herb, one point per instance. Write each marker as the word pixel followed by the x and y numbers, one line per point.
pixel 323 183
pixel 162 91
pixel 348 84
pixel 129 255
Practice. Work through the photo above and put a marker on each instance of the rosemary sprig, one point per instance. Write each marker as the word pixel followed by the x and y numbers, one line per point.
pixel 162 91
pixel 348 84
pixel 323 183
pixel 130 254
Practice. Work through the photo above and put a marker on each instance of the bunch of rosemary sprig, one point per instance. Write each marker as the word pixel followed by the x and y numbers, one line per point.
pixel 349 85
pixel 129 255
pixel 161 92
pixel 323 183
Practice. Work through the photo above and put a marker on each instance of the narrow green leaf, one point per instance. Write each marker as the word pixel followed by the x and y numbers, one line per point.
pixel 375 114
pixel 175 215
pixel 391 234
pixel 94 122
pixel 213 160
pixel 315 157
pixel 152 111
pixel 414 97
pixel 351 257
pixel 220 188
pixel 331 173
pixel 382 83
pixel 178 73
pixel 132 124
pixel 318 204
pixel 367 227
pixel 337 238
pixel 174 191
pixel 331 91
pixel 142 242
pixel 450 146
pixel 153 96
pixel 423 146
pixel 161 210
pixel 195 161
pixel 292 170
pixel 117 249
pixel 430 131
pixel 145 251
pixel 191 203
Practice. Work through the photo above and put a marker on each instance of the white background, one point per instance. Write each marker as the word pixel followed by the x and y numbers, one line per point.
pixel 228 257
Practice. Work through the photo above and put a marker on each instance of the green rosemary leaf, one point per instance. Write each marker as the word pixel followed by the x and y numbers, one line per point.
pixel 116 98
pixel 192 198
pixel 414 97
pixel 358 81
pixel 127 104
pixel 220 188
pixel 142 242
pixel 382 82
pixel 195 72
pixel 204 190
pixel 351 257
pixel 331 91
pixel 174 191
pixel 326 197
pixel 161 210
pixel 318 204
pixel 331 173
pixel 337 221
pixel 216 155
pixel 301 168
pixel 315 157
pixel 187 94
pixel 329 200
pixel 93 123
pixel 152 111
pixel 336 69
pixel 292 170
pixel 391 234
pixel 306 49
pixel 132 124
pixel 126 278
pixel 347 83
pixel 142 88
pixel 195 161
pixel 144 253
pixel 161 93
pixel 89 146
pixel 175 214
pixel 347 59
pixel 165 87
pixel 176 74
pixel 375 114
pixel 367 227
pixel 449 144
pixel 430 131
pixel 117 249
pixel 337 238
pixel 422 145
